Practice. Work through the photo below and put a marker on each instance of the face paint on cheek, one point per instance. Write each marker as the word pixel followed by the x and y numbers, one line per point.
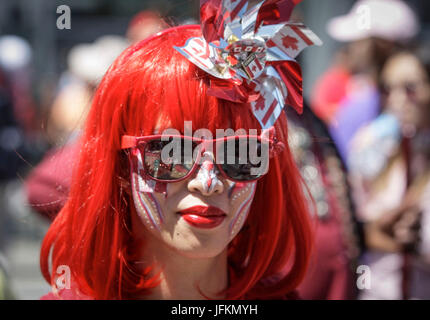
pixel 241 200
pixel 235 187
pixel 147 206
pixel 230 189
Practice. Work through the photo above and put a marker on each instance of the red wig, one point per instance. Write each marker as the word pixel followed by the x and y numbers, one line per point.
pixel 92 234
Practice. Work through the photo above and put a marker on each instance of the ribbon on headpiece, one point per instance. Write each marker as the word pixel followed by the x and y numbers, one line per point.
pixel 251 54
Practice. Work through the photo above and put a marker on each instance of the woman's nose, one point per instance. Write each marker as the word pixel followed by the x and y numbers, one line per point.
pixel 397 99
pixel 207 180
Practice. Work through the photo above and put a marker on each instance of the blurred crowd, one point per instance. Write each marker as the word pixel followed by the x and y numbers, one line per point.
pixel 362 146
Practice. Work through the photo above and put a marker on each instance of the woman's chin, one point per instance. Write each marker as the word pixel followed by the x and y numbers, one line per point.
pixel 196 247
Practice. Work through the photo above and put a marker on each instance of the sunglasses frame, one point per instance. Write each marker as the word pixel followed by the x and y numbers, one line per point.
pixel 130 142
pixel 409 88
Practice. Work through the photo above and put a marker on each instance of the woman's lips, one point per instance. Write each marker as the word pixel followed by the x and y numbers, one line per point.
pixel 203 217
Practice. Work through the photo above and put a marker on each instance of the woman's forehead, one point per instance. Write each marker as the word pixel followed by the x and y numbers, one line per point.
pixel 164 123
pixel 403 68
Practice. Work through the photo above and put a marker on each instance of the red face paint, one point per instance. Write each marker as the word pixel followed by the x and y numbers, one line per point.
pixel 208 175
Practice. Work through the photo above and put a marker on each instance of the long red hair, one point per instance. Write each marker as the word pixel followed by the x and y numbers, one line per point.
pixel 92 234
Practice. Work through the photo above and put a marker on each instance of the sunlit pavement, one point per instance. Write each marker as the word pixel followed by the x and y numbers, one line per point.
pixel 22 232
pixel 24 273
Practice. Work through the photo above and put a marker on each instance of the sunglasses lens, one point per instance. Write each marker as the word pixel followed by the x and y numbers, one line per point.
pixel 241 159
pixel 411 89
pixel 178 165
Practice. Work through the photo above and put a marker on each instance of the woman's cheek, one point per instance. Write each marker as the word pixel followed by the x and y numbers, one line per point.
pixel 241 197
pixel 147 206
pixel 143 190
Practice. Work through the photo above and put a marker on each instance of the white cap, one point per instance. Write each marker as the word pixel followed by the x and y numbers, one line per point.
pixel 15 53
pixel 90 61
pixel 387 19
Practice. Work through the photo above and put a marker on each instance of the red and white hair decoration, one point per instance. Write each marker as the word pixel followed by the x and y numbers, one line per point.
pixel 250 54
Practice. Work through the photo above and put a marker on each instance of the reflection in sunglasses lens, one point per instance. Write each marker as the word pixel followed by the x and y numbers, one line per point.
pixel 175 169
pixel 237 156
pixel 240 156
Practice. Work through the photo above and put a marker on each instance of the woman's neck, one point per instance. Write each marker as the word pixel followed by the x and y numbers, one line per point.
pixel 182 277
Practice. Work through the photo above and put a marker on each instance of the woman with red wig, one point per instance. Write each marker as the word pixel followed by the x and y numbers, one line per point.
pixel 136 226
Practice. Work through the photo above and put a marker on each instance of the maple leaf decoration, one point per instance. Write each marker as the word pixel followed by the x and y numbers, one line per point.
pixel 259 105
pixel 290 42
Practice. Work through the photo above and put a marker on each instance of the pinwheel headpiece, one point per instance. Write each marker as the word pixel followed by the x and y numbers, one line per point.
pixel 250 54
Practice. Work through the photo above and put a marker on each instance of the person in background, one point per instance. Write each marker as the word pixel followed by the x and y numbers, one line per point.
pixel 390 174
pixel 19 141
pixel 18 137
pixel 338 236
pixel 48 184
pixel 145 24
pixel 346 96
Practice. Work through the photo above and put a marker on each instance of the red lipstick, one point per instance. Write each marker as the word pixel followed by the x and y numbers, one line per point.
pixel 203 217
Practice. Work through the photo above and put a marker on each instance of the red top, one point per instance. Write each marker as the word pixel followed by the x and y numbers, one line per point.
pixel 49 183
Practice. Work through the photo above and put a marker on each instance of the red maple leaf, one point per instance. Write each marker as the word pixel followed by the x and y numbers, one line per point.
pixel 290 42
pixel 259 104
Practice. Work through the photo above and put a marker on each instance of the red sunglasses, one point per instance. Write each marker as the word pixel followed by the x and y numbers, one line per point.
pixel 237 156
